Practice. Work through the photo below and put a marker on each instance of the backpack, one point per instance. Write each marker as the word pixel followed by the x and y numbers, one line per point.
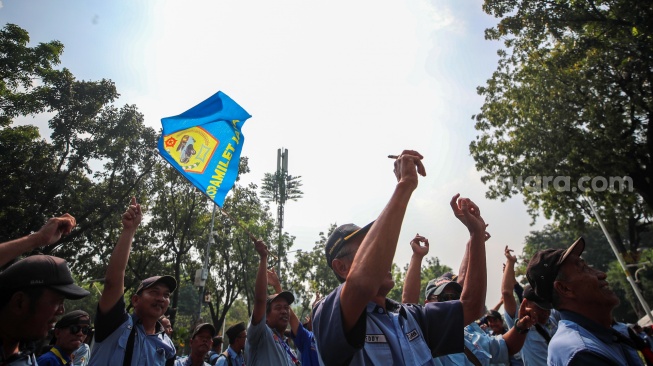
pixel 215 360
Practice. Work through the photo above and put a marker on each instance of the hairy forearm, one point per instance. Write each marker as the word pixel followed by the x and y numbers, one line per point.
pixel 12 249
pixel 374 258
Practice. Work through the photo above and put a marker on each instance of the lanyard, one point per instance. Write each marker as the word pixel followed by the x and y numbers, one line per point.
pixel 278 337
pixel 58 354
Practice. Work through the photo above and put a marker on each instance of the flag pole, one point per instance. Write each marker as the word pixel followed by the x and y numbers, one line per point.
pixel 620 258
pixel 205 268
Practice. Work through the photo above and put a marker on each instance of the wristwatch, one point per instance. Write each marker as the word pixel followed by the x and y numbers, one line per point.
pixel 521 330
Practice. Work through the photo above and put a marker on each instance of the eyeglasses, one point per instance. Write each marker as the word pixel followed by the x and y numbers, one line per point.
pixel 74 329
pixel 448 297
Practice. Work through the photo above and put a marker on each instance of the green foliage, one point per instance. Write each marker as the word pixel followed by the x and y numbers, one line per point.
pixel 311 274
pixel 20 67
pixel 233 260
pixel 571 97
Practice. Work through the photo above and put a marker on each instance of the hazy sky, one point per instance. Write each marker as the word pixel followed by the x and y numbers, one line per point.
pixel 340 84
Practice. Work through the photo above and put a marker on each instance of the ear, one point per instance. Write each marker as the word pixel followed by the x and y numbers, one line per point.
pixel 19 303
pixel 341 267
pixel 564 291
pixel 135 298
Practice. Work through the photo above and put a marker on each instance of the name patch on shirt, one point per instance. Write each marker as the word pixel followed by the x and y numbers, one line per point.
pixel 412 335
pixel 375 338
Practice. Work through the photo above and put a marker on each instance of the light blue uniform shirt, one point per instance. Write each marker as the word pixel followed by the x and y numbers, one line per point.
pixel 236 359
pixel 404 334
pixel 264 347
pixel 488 349
pixel 535 349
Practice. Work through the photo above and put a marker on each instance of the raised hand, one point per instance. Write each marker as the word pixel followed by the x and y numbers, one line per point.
pixel 273 280
pixel 418 248
pixel 469 214
pixel 510 257
pixel 407 166
pixel 527 317
pixel 261 248
pixel 133 216
pixel 55 228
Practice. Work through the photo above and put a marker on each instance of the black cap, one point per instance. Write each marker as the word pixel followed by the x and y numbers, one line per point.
pixel 203 326
pixel 234 331
pixel 339 238
pixel 283 294
pixel 529 294
pixel 494 314
pixel 42 270
pixel 436 286
pixel 75 317
pixel 543 268
pixel 149 282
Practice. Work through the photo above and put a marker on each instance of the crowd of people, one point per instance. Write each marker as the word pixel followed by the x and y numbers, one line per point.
pixel 563 316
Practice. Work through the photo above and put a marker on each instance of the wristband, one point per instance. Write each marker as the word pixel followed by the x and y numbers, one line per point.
pixel 521 330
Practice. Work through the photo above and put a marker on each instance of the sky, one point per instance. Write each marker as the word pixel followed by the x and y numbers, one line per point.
pixel 340 84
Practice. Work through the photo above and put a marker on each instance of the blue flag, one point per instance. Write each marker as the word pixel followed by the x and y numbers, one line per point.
pixel 204 144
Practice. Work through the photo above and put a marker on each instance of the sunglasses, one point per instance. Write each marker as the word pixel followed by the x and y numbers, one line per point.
pixel 74 329
pixel 448 297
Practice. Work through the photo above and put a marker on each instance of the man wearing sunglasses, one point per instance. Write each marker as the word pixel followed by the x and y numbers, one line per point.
pixel 69 334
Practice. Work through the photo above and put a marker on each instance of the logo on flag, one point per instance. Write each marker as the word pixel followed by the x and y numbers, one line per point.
pixel 204 144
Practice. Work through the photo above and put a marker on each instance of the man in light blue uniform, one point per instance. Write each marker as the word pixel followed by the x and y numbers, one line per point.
pixel 585 301
pixel 32 292
pixel 535 349
pixel 480 347
pixel 137 339
pixel 200 343
pixel 266 343
pixel 233 356
pixel 356 324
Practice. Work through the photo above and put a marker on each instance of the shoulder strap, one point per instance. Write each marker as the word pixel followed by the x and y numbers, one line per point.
pixel 129 348
pixel 543 333
pixel 471 357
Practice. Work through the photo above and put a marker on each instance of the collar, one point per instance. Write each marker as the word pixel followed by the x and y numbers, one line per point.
pixel 232 352
pixel 606 335
pixel 158 327
pixel 391 306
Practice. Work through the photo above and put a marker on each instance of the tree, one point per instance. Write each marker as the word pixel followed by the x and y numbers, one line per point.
pixel 233 260
pixel 311 274
pixel 19 67
pixel 571 98
pixel 179 221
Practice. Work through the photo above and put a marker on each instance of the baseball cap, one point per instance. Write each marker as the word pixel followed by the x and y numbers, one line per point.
pixel 73 318
pixel 149 282
pixel 203 326
pixel 530 294
pixel 283 294
pixel 340 237
pixel 437 285
pixel 42 270
pixel 234 331
pixel 543 268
